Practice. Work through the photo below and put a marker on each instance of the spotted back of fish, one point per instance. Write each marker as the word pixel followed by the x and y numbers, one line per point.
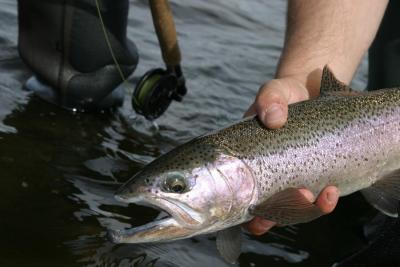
pixel 344 138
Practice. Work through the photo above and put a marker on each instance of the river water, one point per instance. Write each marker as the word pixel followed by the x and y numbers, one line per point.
pixel 59 170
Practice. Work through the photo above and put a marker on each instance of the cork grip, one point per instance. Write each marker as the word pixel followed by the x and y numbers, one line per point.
pixel 166 32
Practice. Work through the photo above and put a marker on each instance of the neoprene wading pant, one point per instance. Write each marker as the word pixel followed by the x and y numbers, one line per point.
pixel 63 42
pixel 384 54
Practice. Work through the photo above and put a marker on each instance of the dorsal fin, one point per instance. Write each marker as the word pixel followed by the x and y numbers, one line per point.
pixel 329 83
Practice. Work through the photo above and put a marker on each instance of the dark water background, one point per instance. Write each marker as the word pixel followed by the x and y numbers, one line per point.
pixel 58 170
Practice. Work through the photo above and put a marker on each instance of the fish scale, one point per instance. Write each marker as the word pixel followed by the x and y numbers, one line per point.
pixel 300 151
pixel 344 138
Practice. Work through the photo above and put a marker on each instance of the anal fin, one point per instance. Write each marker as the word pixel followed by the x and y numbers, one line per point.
pixel 384 195
pixel 287 207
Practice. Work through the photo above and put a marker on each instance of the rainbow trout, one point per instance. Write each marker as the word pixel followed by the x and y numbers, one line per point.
pixel 220 180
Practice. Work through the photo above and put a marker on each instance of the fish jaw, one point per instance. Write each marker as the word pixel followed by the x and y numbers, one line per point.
pixel 163 230
pixel 182 213
pixel 182 222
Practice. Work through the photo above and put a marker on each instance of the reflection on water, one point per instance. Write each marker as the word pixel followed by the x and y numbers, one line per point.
pixel 59 170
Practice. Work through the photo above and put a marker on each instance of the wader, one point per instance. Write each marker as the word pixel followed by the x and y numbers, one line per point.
pixel 63 42
pixel 384 54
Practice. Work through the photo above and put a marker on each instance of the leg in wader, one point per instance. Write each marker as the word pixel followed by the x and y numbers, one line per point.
pixel 63 42
pixel 79 53
pixel 384 72
pixel 384 54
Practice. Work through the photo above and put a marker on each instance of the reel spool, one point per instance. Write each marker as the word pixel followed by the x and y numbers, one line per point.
pixel 155 91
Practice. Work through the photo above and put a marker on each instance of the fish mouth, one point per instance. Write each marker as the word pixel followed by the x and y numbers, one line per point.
pixel 181 222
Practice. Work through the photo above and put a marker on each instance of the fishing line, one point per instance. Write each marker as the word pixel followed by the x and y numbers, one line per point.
pixel 103 26
pixel 157 88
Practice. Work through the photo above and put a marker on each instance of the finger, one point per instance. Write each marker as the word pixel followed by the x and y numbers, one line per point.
pixel 272 104
pixel 307 194
pixel 258 226
pixel 328 199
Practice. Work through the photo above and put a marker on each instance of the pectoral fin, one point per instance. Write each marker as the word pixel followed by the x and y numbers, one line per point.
pixel 287 207
pixel 229 243
pixel 384 195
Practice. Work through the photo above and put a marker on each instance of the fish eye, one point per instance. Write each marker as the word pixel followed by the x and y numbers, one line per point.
pixel 175 183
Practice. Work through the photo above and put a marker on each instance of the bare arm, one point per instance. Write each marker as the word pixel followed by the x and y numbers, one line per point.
pixel 319 32
pixel 334 32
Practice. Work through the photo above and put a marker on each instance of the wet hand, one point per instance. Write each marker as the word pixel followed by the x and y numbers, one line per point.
pixel 273 98
pixel 271 106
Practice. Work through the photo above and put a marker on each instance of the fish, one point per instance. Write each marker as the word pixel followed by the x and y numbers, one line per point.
pixel 218 181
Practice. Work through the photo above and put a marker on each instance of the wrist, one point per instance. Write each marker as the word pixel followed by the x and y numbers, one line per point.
pixel 310 80
pixel 309 72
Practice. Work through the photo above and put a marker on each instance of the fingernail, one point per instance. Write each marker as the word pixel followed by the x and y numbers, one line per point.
pixel 331 197
pixel 273 114
pixel 261 230
pixel 264 225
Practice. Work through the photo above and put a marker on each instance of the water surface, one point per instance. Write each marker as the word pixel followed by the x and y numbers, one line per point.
pixel 59 170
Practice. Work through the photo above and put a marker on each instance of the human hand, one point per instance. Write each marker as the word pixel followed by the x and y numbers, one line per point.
pixel 273 98
pixel 271 105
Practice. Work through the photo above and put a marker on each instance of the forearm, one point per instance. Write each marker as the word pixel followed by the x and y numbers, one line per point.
pixel 333 32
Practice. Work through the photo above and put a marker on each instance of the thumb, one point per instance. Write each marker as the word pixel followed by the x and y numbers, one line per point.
pixel 271 104
pixel 274 97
